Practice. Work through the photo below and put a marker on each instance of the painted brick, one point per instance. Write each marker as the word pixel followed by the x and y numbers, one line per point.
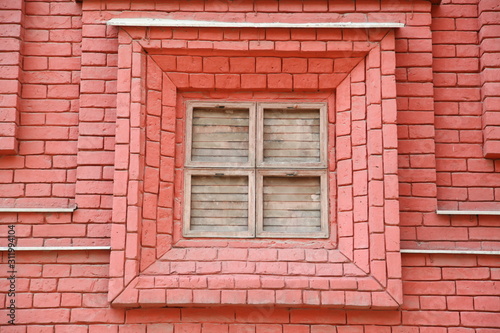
pixel 441 160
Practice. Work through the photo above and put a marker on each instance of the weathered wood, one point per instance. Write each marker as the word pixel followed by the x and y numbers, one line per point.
pixel 220 145
pixel 217 112
pixel 293 230
pixel 291 129
pixel 219 129
pixel 228 147
pixel 299 205
pixel 219 221
pixel 213 200
pixel 227 180
pixel 217 197
pixel 287 190
pixel 219 136
pixel 291 221
pixel 292 113
pixel 220 205
pixel 222 213
pixel 291 204
pixel 297 181
pixel 291 197
pixel 293 153
pixel 226 159
pixel 217 189
pixel 291 213
pixel 221 231
pixel 219 152
pixel 198 121
pixel 298 122
pixel 291 136
pixel 288 144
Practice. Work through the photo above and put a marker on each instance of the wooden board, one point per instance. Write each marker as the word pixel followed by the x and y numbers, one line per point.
pixel 291 204
pixel 291 135
pixel 220 135
pixel 219 203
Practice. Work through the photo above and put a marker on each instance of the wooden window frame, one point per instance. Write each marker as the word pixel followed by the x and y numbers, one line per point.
pixel 259 205
pixel 296 165
pixel 188 232
pixel 256 169
pixel 189 134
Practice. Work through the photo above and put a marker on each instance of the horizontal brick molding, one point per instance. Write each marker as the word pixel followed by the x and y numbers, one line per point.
pixel 468 212
pixel 152 265
pixel 37 209
pixel 58 248
pixel 452 252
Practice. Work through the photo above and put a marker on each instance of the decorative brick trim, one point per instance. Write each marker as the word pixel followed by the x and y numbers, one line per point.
pixel 153 266
pixel 10 82
pixel 490 79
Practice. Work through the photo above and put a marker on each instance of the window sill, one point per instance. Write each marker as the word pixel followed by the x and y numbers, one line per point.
pixel 274 277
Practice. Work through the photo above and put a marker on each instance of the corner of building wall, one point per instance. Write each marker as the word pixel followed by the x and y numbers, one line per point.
pixel 10 76
pixel 488 21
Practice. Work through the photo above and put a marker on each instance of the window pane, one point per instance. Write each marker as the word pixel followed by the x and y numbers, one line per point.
pixel 219 203
pixel 220 135
pixel 292 204
pixel 291 135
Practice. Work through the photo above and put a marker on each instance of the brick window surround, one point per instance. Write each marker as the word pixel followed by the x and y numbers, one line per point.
pixel 352 70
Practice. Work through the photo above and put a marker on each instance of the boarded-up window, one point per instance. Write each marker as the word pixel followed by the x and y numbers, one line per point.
pixel 221 135
pixel 221 203
pixel 256 170
pixel 291 136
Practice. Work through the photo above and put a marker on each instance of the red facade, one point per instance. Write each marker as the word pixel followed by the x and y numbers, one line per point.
pixel 94 130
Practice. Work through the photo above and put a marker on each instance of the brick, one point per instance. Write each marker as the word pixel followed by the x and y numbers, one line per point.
pixel 267 65
pixel 227 81
pixel 477 288
pixel 97 315
pixel 459 303
pixel 261 297
pixel 201 80
pixel 206 296
pixel 42 316
pixel 215 64
pixel 253 81
pixel 479 319
pixel 187 328
pixel 317 316
pixel 50 300
pixel 242 65
pixel 279 81
pixel 430 288
pixel 442 317
pixel 295 65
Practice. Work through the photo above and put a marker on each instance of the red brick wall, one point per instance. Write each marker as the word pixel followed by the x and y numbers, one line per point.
pixel 62 142
pixel 61 292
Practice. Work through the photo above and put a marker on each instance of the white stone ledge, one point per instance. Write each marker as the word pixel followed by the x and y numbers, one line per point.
pixel 459 252
pixel 156 22
pixel 58 248
pixel 37 209
pixel 468 212
pixel 108 248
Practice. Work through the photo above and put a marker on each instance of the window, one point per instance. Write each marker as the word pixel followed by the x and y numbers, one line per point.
pixel 256 170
